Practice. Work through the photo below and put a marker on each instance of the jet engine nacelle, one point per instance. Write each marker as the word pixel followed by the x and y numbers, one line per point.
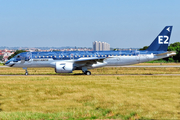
pixel 64 67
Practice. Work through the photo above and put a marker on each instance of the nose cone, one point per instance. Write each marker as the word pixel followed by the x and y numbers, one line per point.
pixel 9 63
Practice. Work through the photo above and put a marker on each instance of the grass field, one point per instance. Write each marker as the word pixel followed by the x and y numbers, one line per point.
pixel 89 97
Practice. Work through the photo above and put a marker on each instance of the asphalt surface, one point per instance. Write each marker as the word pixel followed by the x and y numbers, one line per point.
pixel 103 75
pixel 3 66
pixel 147 66
pixel 132 66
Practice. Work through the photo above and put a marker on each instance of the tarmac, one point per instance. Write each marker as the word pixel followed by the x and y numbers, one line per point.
pixel 102 75
pixel 147 66
pixel 131 66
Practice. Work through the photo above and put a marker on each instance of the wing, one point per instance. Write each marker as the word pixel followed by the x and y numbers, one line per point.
pixel 87 62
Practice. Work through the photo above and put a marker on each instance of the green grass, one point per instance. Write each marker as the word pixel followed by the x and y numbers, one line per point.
pixel 89 97
pixel 159 61
pixel 63 115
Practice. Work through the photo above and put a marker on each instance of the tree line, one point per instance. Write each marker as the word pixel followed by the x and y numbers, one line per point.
pixel 15 53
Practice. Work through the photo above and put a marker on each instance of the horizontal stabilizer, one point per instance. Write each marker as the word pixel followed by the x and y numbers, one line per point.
pixel 169 53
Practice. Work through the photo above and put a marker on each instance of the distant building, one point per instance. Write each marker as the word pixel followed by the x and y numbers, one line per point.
pixel 100 46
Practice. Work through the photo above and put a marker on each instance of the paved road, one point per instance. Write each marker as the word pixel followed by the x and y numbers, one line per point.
pixel 3 66
pixel 132 66
pixel 103 75
pixel 147 66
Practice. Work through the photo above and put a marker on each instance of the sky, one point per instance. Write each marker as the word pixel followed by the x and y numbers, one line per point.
pixel 57 23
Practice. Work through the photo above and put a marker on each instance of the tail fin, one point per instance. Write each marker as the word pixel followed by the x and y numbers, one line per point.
pixel 162 40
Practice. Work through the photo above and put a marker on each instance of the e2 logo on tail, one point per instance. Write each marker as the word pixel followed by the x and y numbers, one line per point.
pixel 161 38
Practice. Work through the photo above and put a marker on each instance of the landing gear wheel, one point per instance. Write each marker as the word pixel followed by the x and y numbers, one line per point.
pixel 26 73
pixel 87 73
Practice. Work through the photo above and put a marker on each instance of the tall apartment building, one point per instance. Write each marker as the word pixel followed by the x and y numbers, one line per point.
pixel 100 46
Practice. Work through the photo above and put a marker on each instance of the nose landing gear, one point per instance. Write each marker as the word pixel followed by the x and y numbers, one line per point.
pixel 26 72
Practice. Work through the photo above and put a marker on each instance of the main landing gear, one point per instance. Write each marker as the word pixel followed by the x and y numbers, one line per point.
pixel 85 71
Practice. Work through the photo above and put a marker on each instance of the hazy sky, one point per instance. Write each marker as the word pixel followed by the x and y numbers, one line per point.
pixel 121 23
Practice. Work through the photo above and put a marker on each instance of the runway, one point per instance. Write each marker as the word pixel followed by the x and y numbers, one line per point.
pixel 97 75
pixel 128 66
pixel 149 66
pixel 3 66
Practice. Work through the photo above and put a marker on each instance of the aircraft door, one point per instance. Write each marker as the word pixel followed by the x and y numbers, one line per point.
pixel 138 58
pixel 137 53
pixel 71 56
pixel 26 57
pixel 62 56
pixel 22 59
pixel 118 60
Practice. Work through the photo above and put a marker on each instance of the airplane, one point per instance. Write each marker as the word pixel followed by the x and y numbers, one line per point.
pixel 68 61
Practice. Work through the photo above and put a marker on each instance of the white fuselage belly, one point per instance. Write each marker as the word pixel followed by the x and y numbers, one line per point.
pixel 128 60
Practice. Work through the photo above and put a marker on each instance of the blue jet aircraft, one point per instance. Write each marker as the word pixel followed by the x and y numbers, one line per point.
pixel 67 61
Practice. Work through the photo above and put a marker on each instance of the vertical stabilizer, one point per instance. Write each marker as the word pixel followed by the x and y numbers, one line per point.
pixel 162 40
